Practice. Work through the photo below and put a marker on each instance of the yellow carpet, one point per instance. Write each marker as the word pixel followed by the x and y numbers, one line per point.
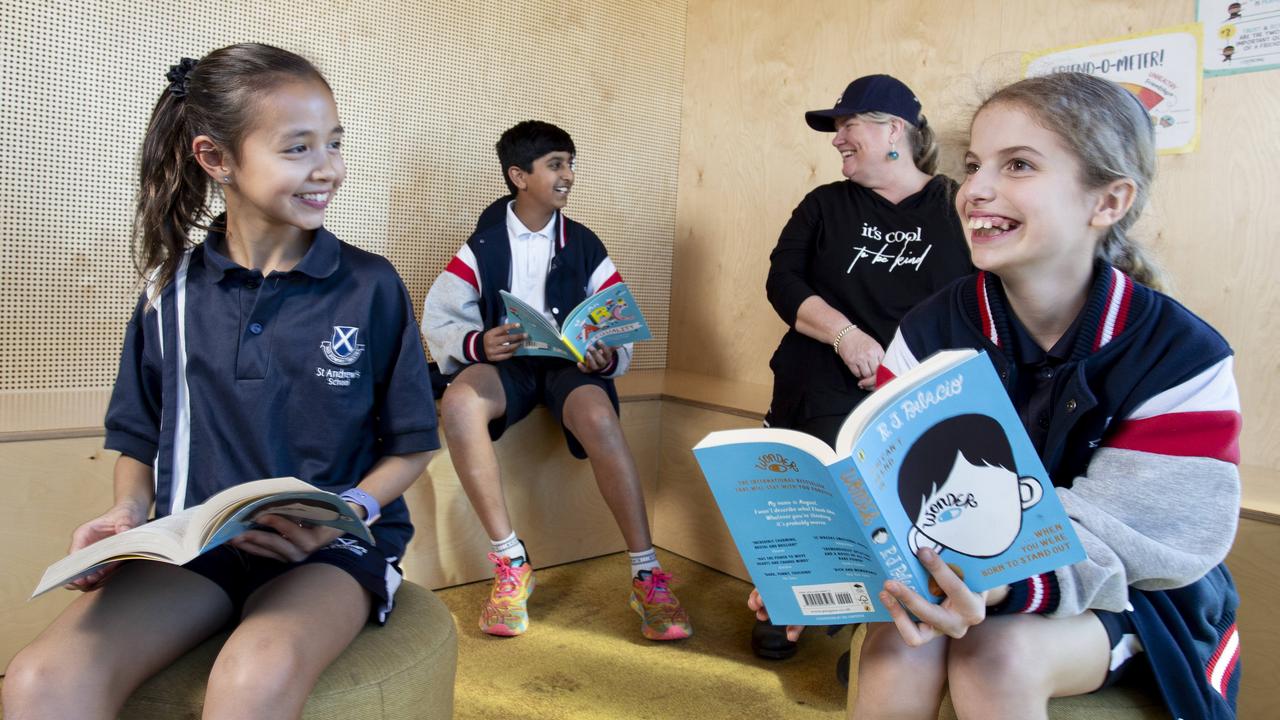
pixel 583 656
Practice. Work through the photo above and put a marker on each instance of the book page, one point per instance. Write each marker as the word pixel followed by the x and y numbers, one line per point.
pixel 611 316
pixel 796 534
pixel 542 338
pixel 315 507
pixel 160 539
pixel 884 396
pixel 221 505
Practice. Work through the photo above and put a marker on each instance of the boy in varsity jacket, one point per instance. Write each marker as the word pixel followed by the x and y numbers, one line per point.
pixel 530 249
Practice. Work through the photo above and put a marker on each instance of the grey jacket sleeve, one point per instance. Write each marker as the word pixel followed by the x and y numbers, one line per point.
pixel 1148 520
pixel 451 320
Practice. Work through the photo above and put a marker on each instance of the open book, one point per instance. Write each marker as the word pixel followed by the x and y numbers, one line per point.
pixel 610 316
pixel 935 458
pixel 181 537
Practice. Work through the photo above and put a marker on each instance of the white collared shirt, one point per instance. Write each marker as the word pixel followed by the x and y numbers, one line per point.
pixel 531 252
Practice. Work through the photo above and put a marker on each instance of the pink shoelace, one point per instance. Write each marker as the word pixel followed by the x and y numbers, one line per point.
pixel 657 583
pixel 508 576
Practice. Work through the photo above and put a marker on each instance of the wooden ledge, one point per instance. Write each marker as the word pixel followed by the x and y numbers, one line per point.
pixel 1260 493
pixel 705 391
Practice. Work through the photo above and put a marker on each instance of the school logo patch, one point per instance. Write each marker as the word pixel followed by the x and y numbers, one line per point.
pixel 349 545
pixel 344 347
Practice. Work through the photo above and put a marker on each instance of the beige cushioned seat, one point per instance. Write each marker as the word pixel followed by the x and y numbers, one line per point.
pixel 1115 703
pixel 404 670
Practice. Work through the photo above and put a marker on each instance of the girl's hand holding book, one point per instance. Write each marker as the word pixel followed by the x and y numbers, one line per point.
pixel 960 610
pixel 122 516
pixel 285 539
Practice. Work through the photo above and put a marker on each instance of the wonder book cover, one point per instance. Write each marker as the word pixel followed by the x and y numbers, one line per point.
pixel 935 458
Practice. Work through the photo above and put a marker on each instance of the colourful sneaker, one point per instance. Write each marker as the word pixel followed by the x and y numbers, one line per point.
pixel 661 617
pixel 506 612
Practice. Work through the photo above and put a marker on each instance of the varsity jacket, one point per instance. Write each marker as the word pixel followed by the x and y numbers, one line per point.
pixel 464 302
pixel 1142 446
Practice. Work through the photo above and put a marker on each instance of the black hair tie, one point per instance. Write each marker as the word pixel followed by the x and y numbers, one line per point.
pixel 179 76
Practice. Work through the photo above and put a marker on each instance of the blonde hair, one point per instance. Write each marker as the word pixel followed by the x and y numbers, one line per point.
pixel 1110 133
pixel 919 135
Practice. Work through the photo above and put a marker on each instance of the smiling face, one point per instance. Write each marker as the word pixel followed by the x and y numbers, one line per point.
pixel 863 145
pixel 1025 210
pixel 546 186
pixel 289 164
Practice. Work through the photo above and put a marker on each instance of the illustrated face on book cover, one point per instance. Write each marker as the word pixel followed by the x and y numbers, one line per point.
pixel 959 487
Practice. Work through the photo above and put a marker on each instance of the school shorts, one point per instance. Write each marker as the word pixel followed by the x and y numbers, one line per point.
pixel 530 381
pixel 1126 650
pixel 239 574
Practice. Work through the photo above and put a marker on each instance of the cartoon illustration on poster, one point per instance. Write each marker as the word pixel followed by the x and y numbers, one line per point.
pixel 1241 36
pixel 1161 68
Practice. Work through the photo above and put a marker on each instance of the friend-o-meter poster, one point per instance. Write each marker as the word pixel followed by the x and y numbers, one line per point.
pixel 1161 68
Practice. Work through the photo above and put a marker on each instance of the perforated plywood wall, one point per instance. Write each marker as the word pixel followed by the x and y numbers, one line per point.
pixel 424 89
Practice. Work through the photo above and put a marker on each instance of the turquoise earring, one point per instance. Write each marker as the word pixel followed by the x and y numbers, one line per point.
pixel 893 153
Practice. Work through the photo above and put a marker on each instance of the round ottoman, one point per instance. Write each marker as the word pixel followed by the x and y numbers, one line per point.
pixel 404 669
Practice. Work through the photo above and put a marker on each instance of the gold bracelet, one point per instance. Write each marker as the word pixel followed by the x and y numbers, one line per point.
pixel 840 336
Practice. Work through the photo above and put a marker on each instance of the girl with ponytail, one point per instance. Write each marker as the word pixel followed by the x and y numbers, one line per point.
pixel 269 349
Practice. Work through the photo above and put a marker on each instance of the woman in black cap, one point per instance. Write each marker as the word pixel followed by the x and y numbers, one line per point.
pixel 854 258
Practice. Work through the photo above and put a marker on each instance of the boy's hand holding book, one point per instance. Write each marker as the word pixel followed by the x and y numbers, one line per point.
pixel 501 342
pixel 596 358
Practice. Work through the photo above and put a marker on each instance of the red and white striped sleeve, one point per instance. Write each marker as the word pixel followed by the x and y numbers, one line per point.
pixel 451 320
pixel 1196 418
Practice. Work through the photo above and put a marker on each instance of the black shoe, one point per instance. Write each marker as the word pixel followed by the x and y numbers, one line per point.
pixel 770 641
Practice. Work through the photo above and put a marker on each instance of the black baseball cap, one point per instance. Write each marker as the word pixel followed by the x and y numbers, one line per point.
pixel 870 93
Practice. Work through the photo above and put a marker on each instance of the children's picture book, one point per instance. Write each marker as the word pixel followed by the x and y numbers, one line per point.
pixel 610 316
pixel 181 537
pixel 935 458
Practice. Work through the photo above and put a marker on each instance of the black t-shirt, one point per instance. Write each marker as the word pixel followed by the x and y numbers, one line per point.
pixel 871 259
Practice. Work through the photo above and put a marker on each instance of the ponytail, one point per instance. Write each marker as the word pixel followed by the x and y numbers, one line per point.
pixel 924 146
pixel 919 136
pixel 173 190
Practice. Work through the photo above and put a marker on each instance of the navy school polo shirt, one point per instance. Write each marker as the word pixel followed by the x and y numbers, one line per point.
pixel 316 373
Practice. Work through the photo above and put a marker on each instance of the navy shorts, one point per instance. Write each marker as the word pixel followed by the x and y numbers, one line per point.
pixel 1126 649
pixel 530 381
pixel 239 574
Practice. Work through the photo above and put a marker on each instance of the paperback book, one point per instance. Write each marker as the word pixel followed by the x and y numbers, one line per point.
pixel 935 458
pixel 610 316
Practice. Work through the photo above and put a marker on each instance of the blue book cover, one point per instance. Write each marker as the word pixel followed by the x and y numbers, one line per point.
pixel 610 316
pixel 936 458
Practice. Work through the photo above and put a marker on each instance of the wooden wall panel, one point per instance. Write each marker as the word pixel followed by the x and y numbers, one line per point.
pixel 747 158
pixel 424 90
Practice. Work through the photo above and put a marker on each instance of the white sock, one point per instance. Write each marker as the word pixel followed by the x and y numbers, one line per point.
pixel 509 546
pixel 644 560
